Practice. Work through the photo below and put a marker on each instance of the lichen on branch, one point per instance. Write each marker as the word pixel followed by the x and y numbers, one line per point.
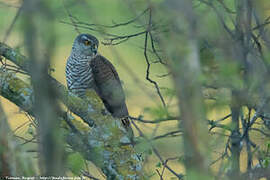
pixel 106 144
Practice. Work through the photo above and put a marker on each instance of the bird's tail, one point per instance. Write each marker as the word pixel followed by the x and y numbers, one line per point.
pixel 126 123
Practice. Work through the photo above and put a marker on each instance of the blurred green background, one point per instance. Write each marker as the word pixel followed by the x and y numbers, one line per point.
pixel 128 58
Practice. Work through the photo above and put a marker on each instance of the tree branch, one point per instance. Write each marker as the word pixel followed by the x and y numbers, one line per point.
pixel 102 145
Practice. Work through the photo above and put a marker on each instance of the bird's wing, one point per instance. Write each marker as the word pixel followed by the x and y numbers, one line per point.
pixel 108 86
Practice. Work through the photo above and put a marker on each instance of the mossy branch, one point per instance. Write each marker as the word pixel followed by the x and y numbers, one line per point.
pixel 103 145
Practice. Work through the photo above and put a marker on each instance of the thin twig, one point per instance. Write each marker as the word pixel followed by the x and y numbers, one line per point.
pixel 71 19
pixel 20 126
pixel 148 63
pixel 154 49
pixel 255 116
pixel 115 25
pixel 122 38
pixel 86 174
pixel 179 176
pixel 154 121
pixel 169 134
pixel 12 24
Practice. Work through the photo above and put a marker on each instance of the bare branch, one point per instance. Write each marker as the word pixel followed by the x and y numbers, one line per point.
pixel 179 176
pixel 115 25
pixel 12 24
pixel 169 134
pixel 71 19
pixel 154 121
pixel 148 63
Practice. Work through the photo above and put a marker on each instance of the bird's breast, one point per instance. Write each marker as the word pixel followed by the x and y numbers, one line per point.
pixel 79 77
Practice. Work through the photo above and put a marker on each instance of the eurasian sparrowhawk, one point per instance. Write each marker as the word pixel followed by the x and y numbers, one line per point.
pixel 87 69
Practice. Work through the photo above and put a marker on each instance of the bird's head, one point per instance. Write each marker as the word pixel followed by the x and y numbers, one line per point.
pixel 85 45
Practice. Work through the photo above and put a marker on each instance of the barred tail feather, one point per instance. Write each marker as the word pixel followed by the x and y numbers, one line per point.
pixel 126 123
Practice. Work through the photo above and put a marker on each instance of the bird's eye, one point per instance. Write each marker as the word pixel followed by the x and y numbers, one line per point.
pixel 87 43
pixel 95 46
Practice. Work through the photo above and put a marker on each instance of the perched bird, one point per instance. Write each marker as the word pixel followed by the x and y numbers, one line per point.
pixel 87 69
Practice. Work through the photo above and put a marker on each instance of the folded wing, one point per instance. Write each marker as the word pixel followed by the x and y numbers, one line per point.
pixel 108 86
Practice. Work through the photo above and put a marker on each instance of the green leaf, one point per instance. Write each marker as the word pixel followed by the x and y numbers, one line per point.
pixel 266 162
pixel 181 159
pixel 268 146
pixel 75 162
pixel 158 164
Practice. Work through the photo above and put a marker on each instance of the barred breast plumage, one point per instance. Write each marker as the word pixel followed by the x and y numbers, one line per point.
pixel 79 75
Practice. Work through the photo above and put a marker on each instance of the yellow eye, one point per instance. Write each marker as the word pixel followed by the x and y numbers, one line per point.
pixel 95 46
pixel 87 43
